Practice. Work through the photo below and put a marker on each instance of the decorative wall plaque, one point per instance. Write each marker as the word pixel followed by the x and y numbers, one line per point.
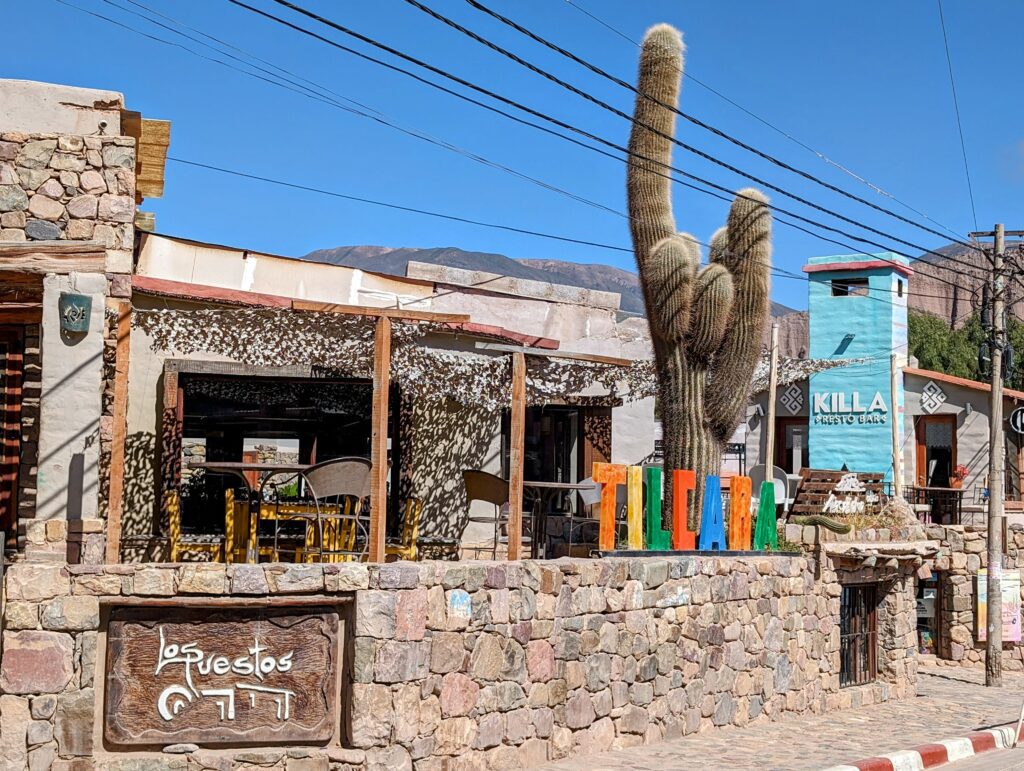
pixel 221 676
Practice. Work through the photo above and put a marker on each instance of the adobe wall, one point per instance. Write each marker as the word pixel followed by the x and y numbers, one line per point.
pixel 471 665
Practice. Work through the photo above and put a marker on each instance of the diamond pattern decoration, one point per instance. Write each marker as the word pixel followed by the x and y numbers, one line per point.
pixel 792 399
pixel 932 397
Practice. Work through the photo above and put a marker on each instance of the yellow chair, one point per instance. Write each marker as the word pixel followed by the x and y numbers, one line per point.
pixel 181 542
pixel 339 534
pixel 406 548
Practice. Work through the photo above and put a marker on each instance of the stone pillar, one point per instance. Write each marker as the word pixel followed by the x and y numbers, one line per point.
pixel 72 365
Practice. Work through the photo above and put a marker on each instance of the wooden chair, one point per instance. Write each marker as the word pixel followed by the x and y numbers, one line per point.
pixel 406 548
pixel 182 542
pixel 339 533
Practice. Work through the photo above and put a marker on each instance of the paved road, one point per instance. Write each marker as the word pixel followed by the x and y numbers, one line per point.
pixel 951 702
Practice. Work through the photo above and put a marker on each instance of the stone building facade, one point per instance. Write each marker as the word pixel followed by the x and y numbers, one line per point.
pixel 473 665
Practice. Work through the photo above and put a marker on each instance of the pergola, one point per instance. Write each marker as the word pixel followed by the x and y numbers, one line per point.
pixel 383 320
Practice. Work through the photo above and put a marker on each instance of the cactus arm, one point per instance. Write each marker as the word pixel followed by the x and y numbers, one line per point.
pixel 648 190
pixel 713 299
pixel 672 270
pixel 747 255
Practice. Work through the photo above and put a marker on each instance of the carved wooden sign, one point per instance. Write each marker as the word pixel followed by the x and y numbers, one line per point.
pixel 221 676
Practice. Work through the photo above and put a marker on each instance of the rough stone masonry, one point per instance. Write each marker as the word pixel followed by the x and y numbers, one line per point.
pixel 479 665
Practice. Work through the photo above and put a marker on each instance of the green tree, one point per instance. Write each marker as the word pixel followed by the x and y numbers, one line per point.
pixel 955 351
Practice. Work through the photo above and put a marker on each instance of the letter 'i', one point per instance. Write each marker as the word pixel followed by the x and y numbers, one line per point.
pixel 712 528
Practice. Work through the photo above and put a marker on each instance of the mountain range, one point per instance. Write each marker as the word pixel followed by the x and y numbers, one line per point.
pixel 393 261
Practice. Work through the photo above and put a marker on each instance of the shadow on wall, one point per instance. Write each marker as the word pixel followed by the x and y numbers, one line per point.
pixel 139 513
pixel 447 438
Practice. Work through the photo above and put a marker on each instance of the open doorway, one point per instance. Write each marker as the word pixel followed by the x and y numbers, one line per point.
pixel 936 449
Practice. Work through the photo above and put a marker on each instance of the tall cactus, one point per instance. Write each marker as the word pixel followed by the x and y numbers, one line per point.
pixel 706 326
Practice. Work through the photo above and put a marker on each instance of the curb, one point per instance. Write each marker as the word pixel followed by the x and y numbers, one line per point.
pixel 937 754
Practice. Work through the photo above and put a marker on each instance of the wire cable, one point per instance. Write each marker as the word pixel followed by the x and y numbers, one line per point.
pixel 692 119
pixel 764 121
pixel 615 111
pixel 543 116
pixel 956 111
pixel 310 94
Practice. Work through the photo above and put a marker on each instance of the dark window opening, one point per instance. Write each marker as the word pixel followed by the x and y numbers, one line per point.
pixel 849 287
pixel 269 419
pixel 858 634
pixel 899 287
pixel 930 608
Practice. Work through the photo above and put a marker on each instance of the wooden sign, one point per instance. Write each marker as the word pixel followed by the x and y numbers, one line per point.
pixel 835 493
pixel 221 676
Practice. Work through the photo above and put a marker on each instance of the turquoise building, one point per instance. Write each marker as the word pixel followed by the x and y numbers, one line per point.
pixel 857 308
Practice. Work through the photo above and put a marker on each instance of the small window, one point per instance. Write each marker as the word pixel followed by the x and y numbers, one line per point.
pixel 849 287
pixel 858 634
pixel 899 287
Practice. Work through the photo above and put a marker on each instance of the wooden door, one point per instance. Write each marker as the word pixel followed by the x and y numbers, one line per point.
pixel 936 449
pixel 11 372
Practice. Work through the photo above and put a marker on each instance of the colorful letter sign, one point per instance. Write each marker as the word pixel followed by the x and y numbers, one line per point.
pixel 712 528
pixel 609 476
pixel 657 538
pixel 739 513
pixel 682 483
pixel 766 533
pixel 1010 584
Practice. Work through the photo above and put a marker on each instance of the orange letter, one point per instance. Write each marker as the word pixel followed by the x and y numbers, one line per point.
pixel 739 513
pixel 609 476
pixel 682 483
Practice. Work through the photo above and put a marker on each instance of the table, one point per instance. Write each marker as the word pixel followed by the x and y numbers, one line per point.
pixel 238 469
pixel 946 503
pixel 546 492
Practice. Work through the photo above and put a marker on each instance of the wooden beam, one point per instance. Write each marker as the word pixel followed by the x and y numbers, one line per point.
pixel 151 157
pixel 42 257
pixel 516 449
pixel 115 498
pixel 592 358
pixel 379 439
pixel 399 314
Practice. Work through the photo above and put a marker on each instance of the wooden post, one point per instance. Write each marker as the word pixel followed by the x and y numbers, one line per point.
pixel 115 498
pixel 894 412
pixel 379 439
pixel 996 485
pixel 515 477
pixel 773 385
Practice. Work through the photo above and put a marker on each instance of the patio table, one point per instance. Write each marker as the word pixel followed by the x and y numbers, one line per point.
pixel 545 493
pixel 238 469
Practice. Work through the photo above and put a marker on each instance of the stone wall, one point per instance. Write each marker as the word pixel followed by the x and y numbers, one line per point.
pixel 476 664
pixel 56 187
pixel 964 554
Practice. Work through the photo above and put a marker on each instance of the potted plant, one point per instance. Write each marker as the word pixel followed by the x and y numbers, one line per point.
pixel 958 476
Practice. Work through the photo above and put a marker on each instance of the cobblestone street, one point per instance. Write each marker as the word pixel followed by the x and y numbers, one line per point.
pixel 951 702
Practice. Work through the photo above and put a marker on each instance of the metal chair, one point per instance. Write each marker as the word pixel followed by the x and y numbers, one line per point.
pixel 337 488
pixel 486 487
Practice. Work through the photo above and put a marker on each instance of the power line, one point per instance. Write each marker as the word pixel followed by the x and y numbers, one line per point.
pixel 411 209
pixel 303 91
pixel 956 111
pixel 378 118
pixel 545 117
pixel 777 271
pixel 692 119
pixel 615 111
pixel 764 121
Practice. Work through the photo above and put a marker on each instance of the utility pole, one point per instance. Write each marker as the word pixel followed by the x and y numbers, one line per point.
pixel 997 446
pixel 894 414
pixel 773 384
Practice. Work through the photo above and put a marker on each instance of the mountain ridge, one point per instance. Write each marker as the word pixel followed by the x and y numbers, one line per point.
pixel 394 261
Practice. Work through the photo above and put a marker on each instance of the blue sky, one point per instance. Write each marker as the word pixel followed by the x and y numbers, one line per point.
pixel 864 83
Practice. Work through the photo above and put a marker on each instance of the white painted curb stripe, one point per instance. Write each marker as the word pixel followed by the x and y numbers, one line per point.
pixel 842 768
pixel 905 760
pixel 957 749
